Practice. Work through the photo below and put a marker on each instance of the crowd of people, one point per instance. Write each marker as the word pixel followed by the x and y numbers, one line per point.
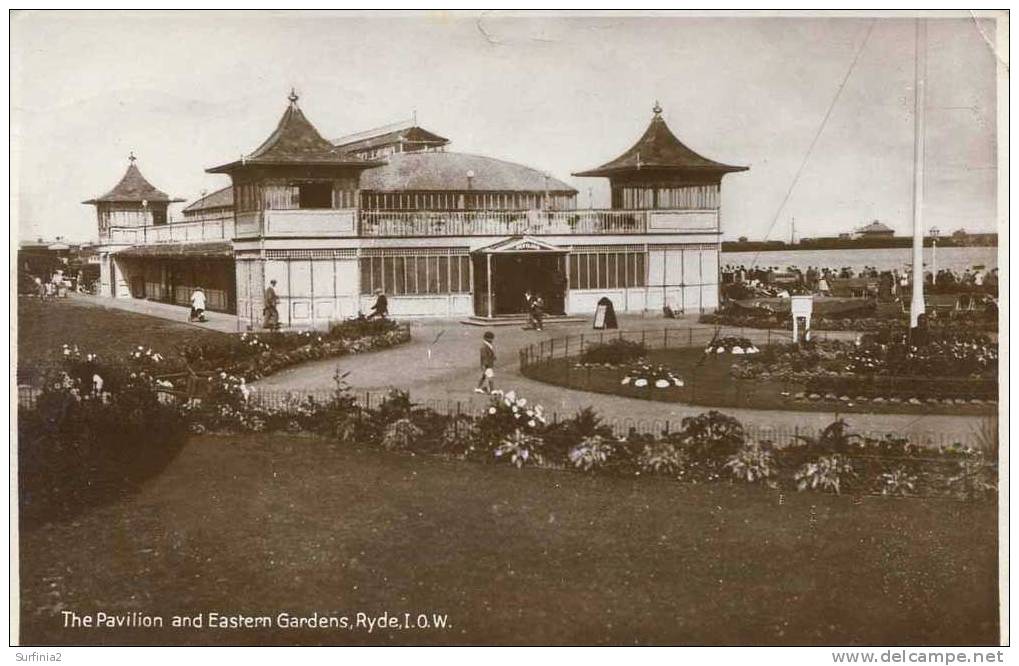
pixel 56 285
pixel 888 284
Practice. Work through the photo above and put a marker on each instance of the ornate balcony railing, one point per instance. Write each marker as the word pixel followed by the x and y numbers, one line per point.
pixel 377 223
pixel 408 224
pixel 501 222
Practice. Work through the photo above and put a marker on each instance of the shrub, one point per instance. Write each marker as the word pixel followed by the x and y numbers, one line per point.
pixel 752 463
pixel 519 448
pixel 613 352
pixel 400 434
pixel 661 457
pixel 827 473
pixel 506 414
pixel 97 430
pixel 898 482
pixel 562 437
pixel 591 453
pixel 711 436
pixel 974 479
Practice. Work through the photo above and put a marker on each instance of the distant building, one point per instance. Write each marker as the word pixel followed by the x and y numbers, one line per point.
pixel 874 230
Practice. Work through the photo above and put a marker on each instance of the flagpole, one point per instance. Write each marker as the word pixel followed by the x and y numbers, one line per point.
pixel 920 77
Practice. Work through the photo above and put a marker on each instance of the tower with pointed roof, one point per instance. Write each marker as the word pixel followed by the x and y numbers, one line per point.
pixel 294 174
pixel 133 202
pixel 661 172
pixel 294 187
pixel 677 192
pixel 127 212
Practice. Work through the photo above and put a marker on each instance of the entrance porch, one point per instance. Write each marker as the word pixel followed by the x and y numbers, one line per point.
pixel 506 271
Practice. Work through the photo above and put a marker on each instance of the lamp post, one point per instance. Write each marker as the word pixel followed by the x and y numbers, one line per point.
pixel 935 232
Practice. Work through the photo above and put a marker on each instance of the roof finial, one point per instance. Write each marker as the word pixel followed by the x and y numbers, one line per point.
pixel 293 96
pixel 131 158
pixel 657 108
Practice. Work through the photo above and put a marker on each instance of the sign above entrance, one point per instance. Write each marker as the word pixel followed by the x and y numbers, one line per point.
pixel 520 244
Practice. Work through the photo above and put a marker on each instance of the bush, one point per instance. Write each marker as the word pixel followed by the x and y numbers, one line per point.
pixel 591 453
pixel 613 352
pixel 562 437
pixel 662 457
pixel 507 416
pixel 519 448
pixel 752 463
pixel 827 473
pixel 712 436
pixel 96 432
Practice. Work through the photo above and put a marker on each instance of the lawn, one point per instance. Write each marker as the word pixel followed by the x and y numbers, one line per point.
pixel 44 327
pixel 264 524
pixel 709 382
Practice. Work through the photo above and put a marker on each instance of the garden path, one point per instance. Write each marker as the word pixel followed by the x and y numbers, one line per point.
pixel 440 368
pixel 217 321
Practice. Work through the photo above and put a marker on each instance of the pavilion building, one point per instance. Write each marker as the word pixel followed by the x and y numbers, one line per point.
pixel 442 233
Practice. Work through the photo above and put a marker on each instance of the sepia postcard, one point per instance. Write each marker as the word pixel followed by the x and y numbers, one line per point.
pixel 510 328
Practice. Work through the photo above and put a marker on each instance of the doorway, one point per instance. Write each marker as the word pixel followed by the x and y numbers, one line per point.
pixel 516 273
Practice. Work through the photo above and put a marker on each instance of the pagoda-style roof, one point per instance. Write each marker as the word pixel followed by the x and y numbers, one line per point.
pixel 411 136
pixel 295 142
pixel 659 149
pixel 133 188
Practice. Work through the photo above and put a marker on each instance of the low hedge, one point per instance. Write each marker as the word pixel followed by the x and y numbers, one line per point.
pixel 614 352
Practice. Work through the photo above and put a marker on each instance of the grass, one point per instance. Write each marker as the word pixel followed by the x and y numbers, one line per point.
pixel 708 382
pixel 265 524
pixel 44 327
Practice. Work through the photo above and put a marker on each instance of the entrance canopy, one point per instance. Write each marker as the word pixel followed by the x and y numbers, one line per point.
pixel 518 244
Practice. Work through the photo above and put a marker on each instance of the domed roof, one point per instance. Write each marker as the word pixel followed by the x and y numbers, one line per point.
pixel 437 171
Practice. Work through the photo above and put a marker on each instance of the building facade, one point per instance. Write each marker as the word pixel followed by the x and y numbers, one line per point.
pixel 442 233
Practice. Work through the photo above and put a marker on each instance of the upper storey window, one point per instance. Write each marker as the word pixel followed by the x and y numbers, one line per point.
pixel 314 195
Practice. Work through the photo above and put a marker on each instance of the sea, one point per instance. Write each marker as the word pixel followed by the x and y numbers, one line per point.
pixel 957 259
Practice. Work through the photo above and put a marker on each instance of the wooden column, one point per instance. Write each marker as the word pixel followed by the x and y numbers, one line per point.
pixel 566 283
pixel 488 268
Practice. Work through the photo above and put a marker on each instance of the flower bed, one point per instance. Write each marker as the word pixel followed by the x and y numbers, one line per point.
pixel 952 367
pixel 254 355
pixel 710 447
pixel 612 353
pixel 644 374
pixel 974 321
pixel 731 345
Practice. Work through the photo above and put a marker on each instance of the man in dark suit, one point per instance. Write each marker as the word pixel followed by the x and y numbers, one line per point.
pixel 270 314
pixel 381 307
pixel 487 364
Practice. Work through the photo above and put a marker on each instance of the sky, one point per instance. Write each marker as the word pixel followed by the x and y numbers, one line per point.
pixel 189 90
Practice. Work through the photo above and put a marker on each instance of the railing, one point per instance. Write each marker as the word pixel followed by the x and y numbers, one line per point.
pixel 381 223
pixel 402 224
pixel 175 232
pixel 500 222
pixel 557 361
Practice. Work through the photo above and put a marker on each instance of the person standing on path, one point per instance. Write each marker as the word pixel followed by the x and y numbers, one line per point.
pixel 198 304
pixel 270 315
pixel 487 364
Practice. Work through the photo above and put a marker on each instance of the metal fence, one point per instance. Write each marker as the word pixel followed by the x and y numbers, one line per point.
pixel 783 434
pixel 677 337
